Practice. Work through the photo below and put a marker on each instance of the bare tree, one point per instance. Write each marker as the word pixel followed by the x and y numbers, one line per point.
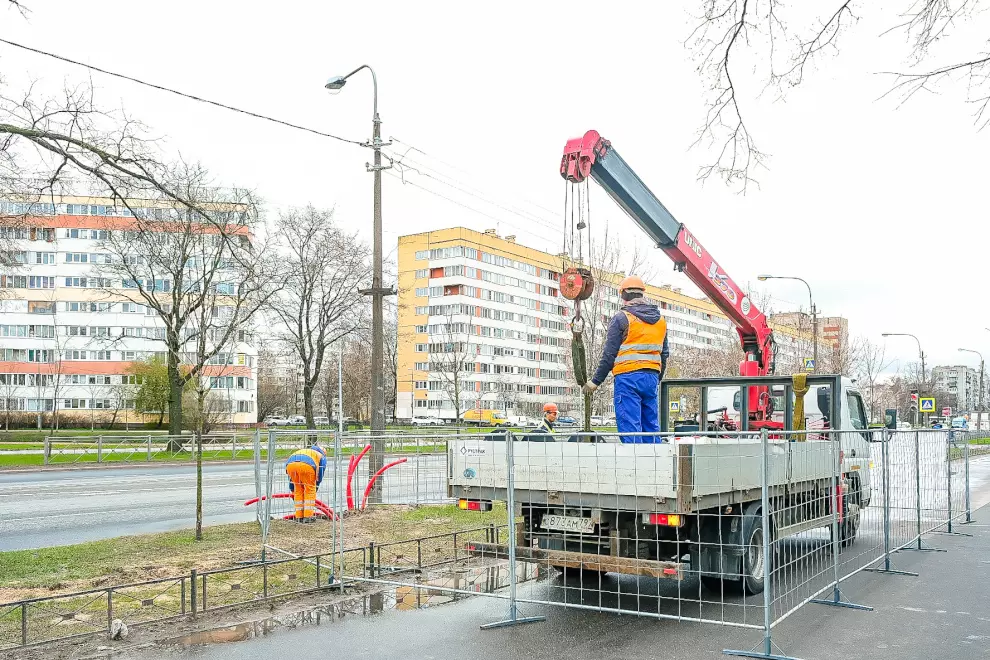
pixel 327 388
pixel 742 45
pixel 872 363
pixel 452 357
pixel 49 147
pixel 320 302
pixel 198 270
pixel 276 389
pixel 220 304
pixel 843 358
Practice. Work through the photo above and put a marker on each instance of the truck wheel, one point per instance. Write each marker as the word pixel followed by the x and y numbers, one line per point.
pixel 753 557
pixel 849 526
pixel 752 561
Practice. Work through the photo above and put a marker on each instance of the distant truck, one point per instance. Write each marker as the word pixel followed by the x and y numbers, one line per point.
pixel 485 418
pixel 641 508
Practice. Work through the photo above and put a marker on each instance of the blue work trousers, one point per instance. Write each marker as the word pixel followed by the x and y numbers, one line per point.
pixel 637 404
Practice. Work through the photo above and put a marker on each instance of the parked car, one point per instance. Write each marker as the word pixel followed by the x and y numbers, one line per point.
pixel 275 420
pixel 566 420
pixel 321 421
pixel 423 420
pixel 960 423
pixel 297 420
pixel 597 420
pixel 523 422
pixel 903 426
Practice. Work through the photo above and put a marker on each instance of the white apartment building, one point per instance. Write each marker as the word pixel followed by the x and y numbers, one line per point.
pixel 69 333
pixel 491 307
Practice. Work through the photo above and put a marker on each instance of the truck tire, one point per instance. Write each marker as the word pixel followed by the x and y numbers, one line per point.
pixel 849 526
pixel 749 547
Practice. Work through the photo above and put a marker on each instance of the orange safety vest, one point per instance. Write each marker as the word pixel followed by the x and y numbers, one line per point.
pixel 642 346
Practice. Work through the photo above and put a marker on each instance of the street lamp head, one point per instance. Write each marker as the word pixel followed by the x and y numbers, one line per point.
pixel 764 278
pixel 885 334
pixel 335 84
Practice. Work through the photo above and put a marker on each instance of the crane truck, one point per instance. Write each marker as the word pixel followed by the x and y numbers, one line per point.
pixel 690 505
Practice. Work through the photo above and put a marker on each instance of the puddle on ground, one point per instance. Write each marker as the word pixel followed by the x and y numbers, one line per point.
pixel 434 591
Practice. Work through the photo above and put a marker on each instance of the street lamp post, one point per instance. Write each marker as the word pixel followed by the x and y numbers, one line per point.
pixel 814 311
pixel 921 354
pixel 377 291
pixel 979 410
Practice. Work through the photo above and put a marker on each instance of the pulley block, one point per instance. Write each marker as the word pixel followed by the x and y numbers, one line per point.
pixel 577 284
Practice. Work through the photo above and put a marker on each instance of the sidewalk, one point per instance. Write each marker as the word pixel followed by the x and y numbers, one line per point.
pixel 944 613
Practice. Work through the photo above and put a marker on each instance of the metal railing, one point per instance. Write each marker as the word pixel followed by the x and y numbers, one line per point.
pixel 34 621
pixel 738 529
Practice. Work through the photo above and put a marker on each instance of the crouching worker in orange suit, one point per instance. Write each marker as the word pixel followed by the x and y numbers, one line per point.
pixel 305 470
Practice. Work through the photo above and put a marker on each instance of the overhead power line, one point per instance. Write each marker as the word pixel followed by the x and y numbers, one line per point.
pixel 193 97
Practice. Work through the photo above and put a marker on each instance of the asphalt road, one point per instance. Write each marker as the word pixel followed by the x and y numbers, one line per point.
pixel 60 507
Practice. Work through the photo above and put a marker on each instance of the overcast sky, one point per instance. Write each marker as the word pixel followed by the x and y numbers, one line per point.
pixel 882 209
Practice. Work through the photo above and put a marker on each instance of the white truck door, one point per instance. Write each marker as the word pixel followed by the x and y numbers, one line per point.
pixel 856 445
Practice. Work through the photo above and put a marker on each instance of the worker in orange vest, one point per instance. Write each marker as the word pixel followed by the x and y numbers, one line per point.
pixel 305 470
pixel 636 353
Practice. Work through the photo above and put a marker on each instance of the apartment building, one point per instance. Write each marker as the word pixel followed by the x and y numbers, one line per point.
pixel 962 383
pixel 833 331
pixel 489 309
pixel 70 331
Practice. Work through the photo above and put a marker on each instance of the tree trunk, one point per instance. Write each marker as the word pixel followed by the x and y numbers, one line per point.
pixel 200 400
pixel 308 404
pixel 175 386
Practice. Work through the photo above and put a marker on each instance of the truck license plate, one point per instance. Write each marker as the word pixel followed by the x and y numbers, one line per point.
pixel 568 524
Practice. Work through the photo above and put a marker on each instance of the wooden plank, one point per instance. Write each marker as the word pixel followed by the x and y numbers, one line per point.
pixel 588 561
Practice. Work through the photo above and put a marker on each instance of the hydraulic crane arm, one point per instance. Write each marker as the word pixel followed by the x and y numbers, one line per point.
pixel 594 156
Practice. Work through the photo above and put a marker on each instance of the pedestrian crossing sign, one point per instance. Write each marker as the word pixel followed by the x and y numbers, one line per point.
pixel 926 404
pixel 809 364
pixel 675 406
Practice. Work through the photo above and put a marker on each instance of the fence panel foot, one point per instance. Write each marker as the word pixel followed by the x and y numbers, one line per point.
pixel 953 534
pixel 890 571
pixel 770 655
pixel 514 621
pixel 842 603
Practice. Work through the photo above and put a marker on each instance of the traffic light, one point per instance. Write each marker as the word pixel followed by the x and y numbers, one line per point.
pixel 890 418
pixel 914 397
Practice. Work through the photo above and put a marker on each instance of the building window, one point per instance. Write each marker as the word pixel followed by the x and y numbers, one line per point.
pixel 420 348
pixel 420 384
pixel 422 254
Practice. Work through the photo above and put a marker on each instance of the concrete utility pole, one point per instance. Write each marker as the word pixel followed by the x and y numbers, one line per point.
pixel 377 291
pixel 921 354
pixel 979 409
pixel 814 311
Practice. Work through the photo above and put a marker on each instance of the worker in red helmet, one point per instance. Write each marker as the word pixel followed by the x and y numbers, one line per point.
pixel 305 470
pixel 544 432
pixel 636 353
pixel 549 418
